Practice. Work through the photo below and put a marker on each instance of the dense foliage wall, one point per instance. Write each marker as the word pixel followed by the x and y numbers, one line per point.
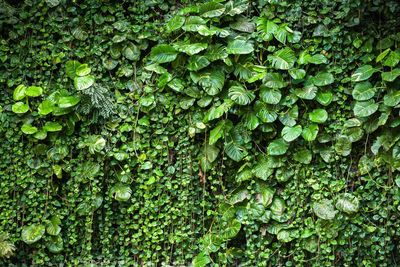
pixel 160 132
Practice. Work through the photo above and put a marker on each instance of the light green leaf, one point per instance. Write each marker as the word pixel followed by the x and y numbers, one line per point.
pixel 68 101
pixel 45 107
pixel 318 115
pixel 278 206
pixel 201 260
pixel 19 92
pixel 230 230
pixel 270 96
pixel 290 134
pixel 82 83
pixel 324 97
pixel 303 156
pixel 324 209
pixel 316 59
pixel 212 80
pixel 32 233
pixel 347 203
pixel 307 92
pixel 163 53
pixel 83 70
pixel 194 24
pixel 392 98
pixel 52 126
pixel 382 55
pixel 53 226
pixel 70 68
pixel 365 108
pixel 211 9
pixel 297 74
pixel 391 75
pixel 239 47
pixel 283 59
pixel 55 244
pixel 28 129
pixel 131 52
pixel 175 23
pixel 323 79
pixel 363 73
pixel 392 59
pixel 20 108
pixel 274 80
pixel 191 49
pixel 277 147
pixel 121 192
pixel 363 91
pixel 310 132
pixel 265 193
pixel 240 95
pixel 197 63
pixel 34 91
pixel 343 146
pixel 281 34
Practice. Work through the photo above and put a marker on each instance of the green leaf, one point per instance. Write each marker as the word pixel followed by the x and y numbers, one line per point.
pixel 278 206
pixel 68 101
pixel 40 135
pixel 131 52
pixel 391 75
pixel 303 156
pixel 318 115
pixel 55 244
pixel 297 74
pixel 392 59
pixel 20 108
pixel 52 126
pixel 45 107
pixel 270 96
pixel 194 24
pixel 308 92
pixel 211 9
pixel 239 47
pixel 310 132
pixel 323 79
pixel 365 108
pixel 265 193
pixel 363 91
pixel 53 226
pixel 218 131
pixel 70 68
pixel 32 233
pixel 290 134
pixel 163 53
pixel 28 129
pixel 19 92
pixel 83 70
pixel 274 80
pixel 197 63
pixel 240 95
pixel 281 34
pixel 212 80
pixel 324 209
pixel 324 98
pixel 34 91
pixel 283 59
pixel 211 152
pixel 347 203
pixel 363 73
pixel 201 260
pixel 121 192
pixel 175 23
pixel 277 147
pixel 230 230
pixel 382 55
pixel 191 49
pixel 82 83
pixel 343 146
pixel 266 28
pixel 392 98
pixel 216 112
pixel 317 59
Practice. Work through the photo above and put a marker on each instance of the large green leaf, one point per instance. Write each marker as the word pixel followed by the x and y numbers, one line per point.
pixel 290 134
pixel 32 233
pixel 392 98
pixel 365 108
pixel 175 23
pixel 343 145
pixel 238 47
pixel 55 244
pixel 274 80
pixel 163 53
pixel 310 132
pixel 297 74
pixel 20 108
pixel 363 73
pixel 230 230
pixel 391 75
pixel 197 63
pixel 131 52
pixel 265 193
pixel 52 126
pixel 194 24
pixel 363 91
pixel 212 80
pixel 19 92
pixel 201 260
pixel 307 92
pixel 324 209
pixel 240 95
pixel 218 131
pixel 46 107
pixel 318 115
pixel 283 59
pixel 270 96
pixel 323 79
pixel 303 156
pixel 53 226
pixel 191 49
pixel 211 9
pixel 68 101
pixel 347 203
pixel 28 129
pixel 83 70
pixel 84 82
pixel 70 68
pixel 277 147
pixel 121 192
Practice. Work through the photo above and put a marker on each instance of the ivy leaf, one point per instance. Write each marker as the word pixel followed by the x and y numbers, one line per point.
pixel 82 83
pixel 239 47
pixel 347 203
pixel 283 59
pixel 19 92
pixel 211 9
pixel 270 96
pixel 318 115
pixel 28 129
pixel 324 209
pixel 240 95
pixel 163 53
pixel 391 75
pixel 32 233
pixel 363 91
pixel 201 260
pixel 20 108
pixel 70 68
pixel 303 156
pixel 52 126
pixel 363 73
pixel 323 79
pixel 310 132
pixel 290 134
pixel 277 147
pixel 121 192
pixel 365 108
pixel 175 23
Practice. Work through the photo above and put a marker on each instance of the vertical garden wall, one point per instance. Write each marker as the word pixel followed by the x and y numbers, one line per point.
pixel 177 133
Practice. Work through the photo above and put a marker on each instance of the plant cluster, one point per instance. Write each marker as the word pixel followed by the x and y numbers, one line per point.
pixel 219 133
